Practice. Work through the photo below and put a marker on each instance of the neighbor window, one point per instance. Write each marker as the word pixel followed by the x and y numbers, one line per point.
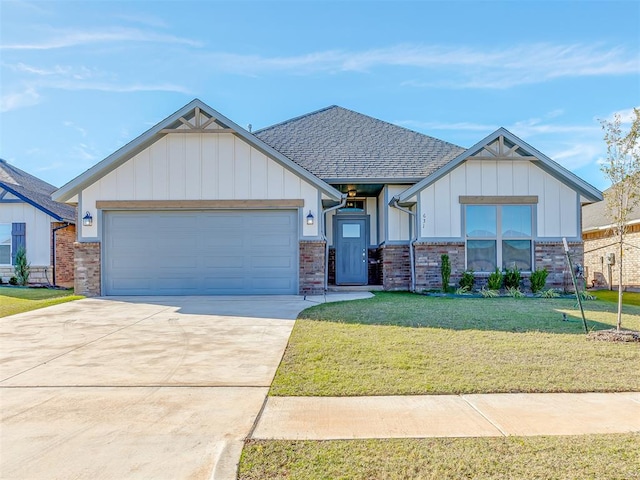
pixel 498 235
pixel 5 244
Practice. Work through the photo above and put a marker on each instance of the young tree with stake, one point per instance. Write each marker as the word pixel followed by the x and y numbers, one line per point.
pixel 622 168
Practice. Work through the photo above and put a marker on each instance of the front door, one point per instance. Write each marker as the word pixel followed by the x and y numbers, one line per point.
pixel 351 250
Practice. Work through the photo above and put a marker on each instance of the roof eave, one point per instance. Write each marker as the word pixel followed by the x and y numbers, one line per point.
pixel 585 189
pixel 33 203
pixel 137 145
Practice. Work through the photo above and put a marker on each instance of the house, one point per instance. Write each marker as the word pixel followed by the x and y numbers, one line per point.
pixel 601 262
pixel 30 218
pixel 199 205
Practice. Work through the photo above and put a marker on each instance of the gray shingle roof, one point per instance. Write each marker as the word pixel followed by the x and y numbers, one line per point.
pixel 34 191
pixel 596 215
pixel 337 143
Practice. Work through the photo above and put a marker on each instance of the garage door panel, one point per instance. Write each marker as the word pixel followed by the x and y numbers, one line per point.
pixel 201 253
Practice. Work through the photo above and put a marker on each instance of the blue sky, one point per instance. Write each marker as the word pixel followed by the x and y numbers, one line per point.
pixel 81 79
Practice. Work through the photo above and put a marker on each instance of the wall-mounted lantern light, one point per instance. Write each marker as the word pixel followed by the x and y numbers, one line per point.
pixel 87 220
pixel 310 218
pixel 352 192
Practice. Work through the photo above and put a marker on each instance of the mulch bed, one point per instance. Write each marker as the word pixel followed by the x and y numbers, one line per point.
pixel 614 335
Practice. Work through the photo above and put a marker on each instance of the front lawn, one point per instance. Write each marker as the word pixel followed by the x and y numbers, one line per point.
pixel 17 300
pixel 575 458
pixel 628 298
pixel 399 343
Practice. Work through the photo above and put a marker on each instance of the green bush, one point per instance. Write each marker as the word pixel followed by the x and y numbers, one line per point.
pixel 22 267
pixel 489 293
pixel 445 272
pixel 512 278
pixel 514 292
pixel 467 280
pixel 551 293
pixel 538 280
pixel 494 282
pixel 13 281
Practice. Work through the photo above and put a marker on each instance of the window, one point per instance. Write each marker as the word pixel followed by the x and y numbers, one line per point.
pixel 5 244
pixel 498 235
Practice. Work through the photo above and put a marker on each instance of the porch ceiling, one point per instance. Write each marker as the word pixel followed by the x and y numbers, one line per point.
pixel 362 189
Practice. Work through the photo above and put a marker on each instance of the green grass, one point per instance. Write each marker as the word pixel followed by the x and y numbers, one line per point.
pixel 396 344
pixel 17 300
pixel 628 298
pixel 577 457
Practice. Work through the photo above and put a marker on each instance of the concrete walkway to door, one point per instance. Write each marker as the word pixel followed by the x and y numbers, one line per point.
pixel 138 387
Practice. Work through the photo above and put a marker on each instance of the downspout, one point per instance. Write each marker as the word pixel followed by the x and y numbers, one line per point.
pixel 53 238
pixel 323 231
pixel 412 266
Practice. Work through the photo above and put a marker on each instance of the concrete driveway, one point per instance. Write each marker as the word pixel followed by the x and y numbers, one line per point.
pixel 146 387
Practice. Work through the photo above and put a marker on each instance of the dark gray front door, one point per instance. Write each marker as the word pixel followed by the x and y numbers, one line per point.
pixel 351 251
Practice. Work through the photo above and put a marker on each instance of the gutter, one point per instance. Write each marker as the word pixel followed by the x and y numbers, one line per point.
pixel 412 264
pixel 342 203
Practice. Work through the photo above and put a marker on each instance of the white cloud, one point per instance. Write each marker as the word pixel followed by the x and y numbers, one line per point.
pixel 467 67
pixel 118 88
pixel 14 101
pixel 64 39
pixel 626 116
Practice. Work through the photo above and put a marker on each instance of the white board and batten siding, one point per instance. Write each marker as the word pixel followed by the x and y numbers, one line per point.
pixel 399 222
pixel 38 230
pixel 200 167
pixel 441 212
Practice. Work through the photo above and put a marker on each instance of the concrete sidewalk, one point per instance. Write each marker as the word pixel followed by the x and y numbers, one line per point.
pixel 489 415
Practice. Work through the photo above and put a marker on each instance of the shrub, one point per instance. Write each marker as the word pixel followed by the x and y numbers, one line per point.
pixel 538 280
pixel 22 267
pixel 467 280
pixel 512 278
pixel 489 293
pixel 494 282
pixel 514 292
pixel 551 293
pixel 462 291
pixel 13 281
pixel 445 272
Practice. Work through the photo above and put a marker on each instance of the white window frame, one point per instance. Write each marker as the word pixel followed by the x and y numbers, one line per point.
pixel 10 242
pixel 499 238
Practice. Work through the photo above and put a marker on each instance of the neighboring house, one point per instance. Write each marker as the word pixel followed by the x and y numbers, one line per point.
pixel 601 253
pixel 199 205
pixel 30 218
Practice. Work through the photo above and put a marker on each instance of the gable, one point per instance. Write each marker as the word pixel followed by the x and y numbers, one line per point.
pixel 503 146
pixel 189 126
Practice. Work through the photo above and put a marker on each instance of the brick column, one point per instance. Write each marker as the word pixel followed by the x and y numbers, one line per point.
pixel 311 267
pixel 396 270
pixel 87 269
pixel 65 238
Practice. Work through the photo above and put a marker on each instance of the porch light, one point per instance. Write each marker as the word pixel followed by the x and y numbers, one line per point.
pixel 310 218
pixel 352 192
pixel 87 220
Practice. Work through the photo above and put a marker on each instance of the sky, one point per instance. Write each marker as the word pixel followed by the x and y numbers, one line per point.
pixel 80 79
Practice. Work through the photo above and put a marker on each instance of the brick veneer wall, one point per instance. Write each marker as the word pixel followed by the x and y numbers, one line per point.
pixel 428 260
pixel 596 247
pixel 550 255
pixel 37 275
pixel 396 269
pixel 65 238
pixel 87 269
pixel 312 267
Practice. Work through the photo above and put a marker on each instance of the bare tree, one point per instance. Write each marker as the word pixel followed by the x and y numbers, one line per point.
pixel 622 167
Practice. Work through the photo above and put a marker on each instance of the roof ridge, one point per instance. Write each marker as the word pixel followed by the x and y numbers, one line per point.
pixel 299 117
pixel 18 177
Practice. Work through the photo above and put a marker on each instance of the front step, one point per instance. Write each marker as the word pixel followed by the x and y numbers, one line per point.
pixel 355 288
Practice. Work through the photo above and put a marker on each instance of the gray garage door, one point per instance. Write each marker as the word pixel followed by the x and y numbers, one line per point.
pixel 201 252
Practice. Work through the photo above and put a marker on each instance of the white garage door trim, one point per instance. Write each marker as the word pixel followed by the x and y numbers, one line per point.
pixel 200 252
